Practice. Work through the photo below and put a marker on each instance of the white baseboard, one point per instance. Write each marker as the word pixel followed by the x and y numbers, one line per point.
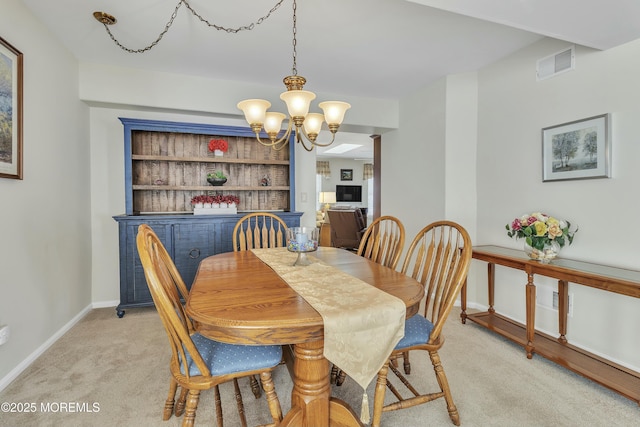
pixel 13 374
pixel 473 305
pixel 105 304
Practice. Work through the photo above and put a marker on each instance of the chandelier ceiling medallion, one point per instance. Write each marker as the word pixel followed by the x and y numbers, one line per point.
pixel 307 125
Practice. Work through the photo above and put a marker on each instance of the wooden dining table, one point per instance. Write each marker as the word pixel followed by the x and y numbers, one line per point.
pixel 237 298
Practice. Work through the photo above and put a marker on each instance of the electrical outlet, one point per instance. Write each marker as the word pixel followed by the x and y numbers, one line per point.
pixel 569 301
pixel 5 332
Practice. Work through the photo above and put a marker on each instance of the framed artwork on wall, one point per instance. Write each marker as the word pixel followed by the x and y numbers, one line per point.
pixel 577 150
pixel 10 111
pixel 346 174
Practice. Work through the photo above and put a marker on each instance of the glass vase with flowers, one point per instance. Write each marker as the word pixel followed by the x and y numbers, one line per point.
pixel 543 234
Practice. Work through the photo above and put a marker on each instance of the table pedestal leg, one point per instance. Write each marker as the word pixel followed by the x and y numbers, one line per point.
pixel 311 405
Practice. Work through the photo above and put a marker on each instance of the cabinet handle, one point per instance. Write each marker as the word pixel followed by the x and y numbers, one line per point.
pixel 194 253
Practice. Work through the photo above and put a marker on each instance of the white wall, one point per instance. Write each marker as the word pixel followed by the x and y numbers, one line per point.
pixel 513 108
pixel 45 249
pixel 475 157
pixel 413 160
pixel 460 150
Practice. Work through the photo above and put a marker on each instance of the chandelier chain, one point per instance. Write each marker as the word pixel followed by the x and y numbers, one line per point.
pixel 233 30
pixel 202 19
pixel 294 69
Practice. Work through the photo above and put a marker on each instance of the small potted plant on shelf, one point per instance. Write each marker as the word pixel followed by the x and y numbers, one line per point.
pixel 216 178
pixel 218 147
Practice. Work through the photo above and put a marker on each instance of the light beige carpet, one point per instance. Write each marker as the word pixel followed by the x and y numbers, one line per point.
pixel 119 369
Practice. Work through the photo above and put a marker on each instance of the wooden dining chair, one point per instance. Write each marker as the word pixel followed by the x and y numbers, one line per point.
pixel 383 241
pixel 259 230
pixel 439 258
pixel 198 363
pixel 254 231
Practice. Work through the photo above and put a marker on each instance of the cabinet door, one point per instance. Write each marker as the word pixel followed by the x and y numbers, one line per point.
pixel 224 241
pixel 134 289
pixel 192 242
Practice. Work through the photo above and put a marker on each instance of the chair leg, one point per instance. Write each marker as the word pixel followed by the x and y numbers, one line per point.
pixel 272 397
pixel 255 387
pixel 218 406
pixel 239 402
pixel 337 375
pixel 378 399
pixel 334 374
pixel 393 360
pixel 179 410
pixel 407 363
pixel 444 386
pixel 169 403
pixel 190 410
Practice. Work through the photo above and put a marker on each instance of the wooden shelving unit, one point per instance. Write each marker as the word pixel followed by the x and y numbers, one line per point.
pixel 166 164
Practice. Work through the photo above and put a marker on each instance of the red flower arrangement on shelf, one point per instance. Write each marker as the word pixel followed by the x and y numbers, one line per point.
pixel 231 199
pixel 218 145
pixel 217 199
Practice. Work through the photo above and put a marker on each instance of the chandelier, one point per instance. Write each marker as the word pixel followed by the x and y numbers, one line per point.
pixel 307 124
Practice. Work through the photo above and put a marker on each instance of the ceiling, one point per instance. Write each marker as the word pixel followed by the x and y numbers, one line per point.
pixel 369 48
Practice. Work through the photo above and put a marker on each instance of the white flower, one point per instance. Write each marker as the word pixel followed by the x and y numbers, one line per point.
pixel 540 217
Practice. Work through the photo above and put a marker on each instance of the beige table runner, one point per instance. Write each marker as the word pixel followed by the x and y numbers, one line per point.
pixel 362 324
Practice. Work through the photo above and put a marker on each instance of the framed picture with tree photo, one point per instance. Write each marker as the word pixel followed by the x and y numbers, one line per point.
pixel 577 150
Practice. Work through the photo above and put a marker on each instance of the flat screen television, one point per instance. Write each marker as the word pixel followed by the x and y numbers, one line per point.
pixel 348 193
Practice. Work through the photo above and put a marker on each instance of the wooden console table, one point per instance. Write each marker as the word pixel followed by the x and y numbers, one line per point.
pixel 611 279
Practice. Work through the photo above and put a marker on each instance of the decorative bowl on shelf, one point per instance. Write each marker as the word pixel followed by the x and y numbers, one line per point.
pixel 302 240
pixel 216 181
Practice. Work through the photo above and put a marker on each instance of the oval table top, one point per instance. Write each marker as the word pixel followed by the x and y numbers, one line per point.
pixel 237 298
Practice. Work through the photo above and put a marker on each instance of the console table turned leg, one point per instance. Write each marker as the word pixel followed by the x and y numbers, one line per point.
pixel 491 285
pixel 531 314
pixel 463 302
pixel 563 308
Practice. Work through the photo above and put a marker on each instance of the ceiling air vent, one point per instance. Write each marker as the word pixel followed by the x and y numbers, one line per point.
pixel 555 64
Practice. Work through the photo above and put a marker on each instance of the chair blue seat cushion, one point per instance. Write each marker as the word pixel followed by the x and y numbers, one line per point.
pixel 223 358
pixel 417 330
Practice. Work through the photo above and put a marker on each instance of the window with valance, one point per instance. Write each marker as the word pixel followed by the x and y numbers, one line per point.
pixel 323 168
pixel 367 171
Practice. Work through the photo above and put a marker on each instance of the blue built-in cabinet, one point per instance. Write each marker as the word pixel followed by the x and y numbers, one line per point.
pixel 166 164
